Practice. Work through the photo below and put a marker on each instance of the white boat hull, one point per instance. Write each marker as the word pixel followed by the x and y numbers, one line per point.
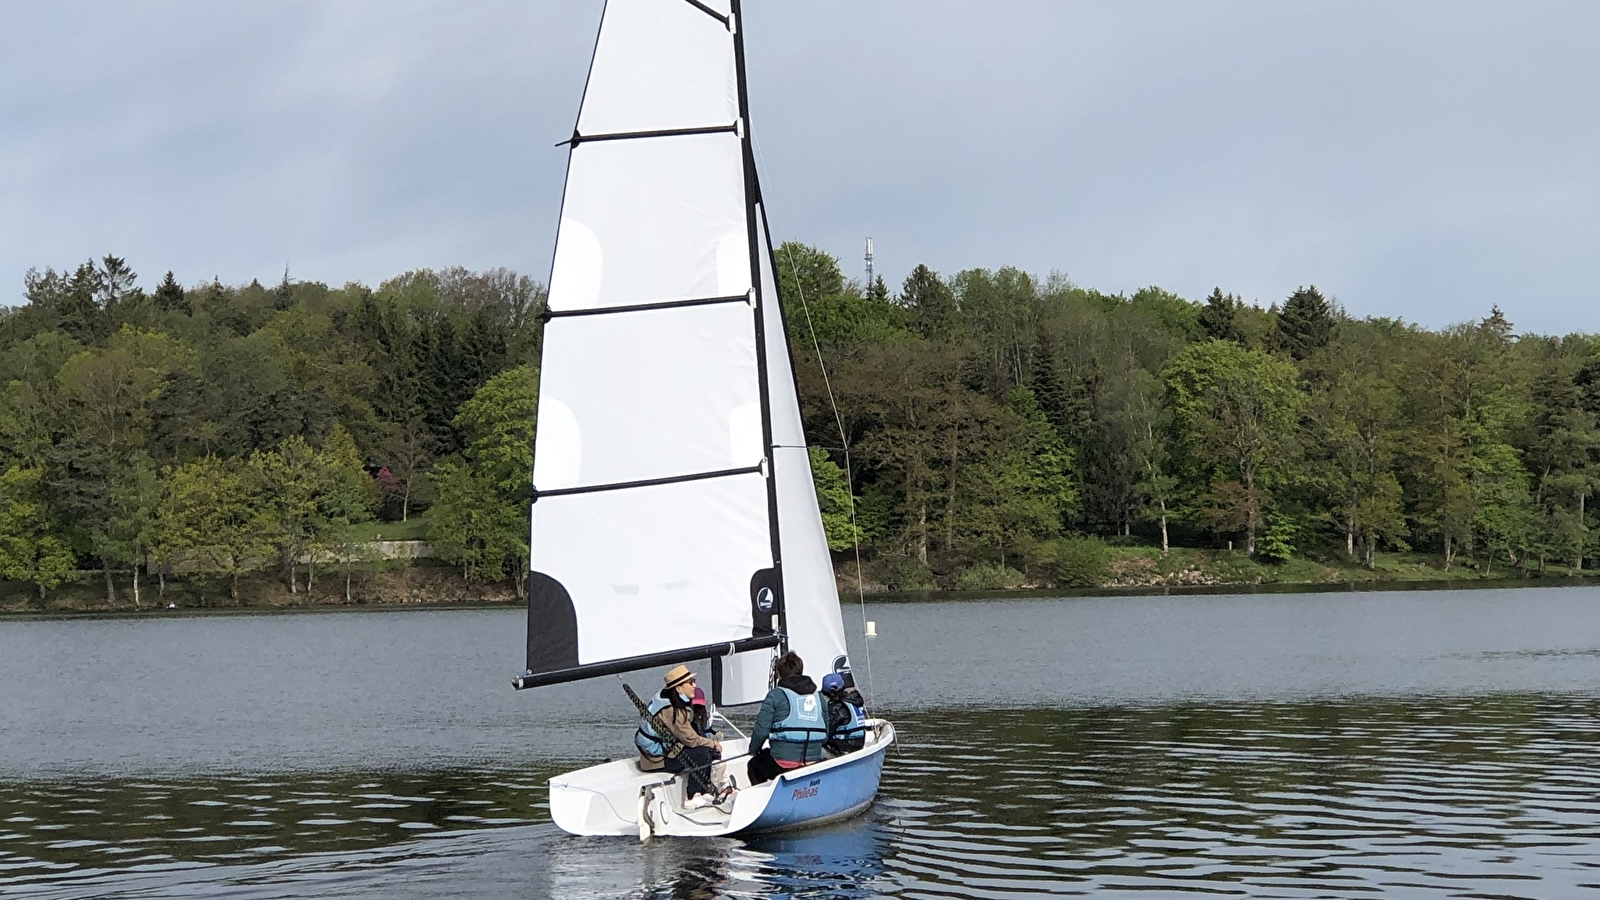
pixel 609 799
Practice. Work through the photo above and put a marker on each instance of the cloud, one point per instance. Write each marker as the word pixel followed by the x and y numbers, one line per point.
pixel 1421 160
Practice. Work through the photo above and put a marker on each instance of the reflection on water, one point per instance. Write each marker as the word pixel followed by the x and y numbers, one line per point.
pixel 1435 745
pixel 1497 795
pixel 58 826
pixel 1449 797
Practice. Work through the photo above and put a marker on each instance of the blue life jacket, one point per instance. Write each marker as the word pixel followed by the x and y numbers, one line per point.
pixel 854 732
pixel 799 735
pixel 647 740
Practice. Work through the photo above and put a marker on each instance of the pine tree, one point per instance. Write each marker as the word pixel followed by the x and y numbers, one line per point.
pixel 1588 382
pixel 116 284
pixel 169 296
pixel 283 294
pixel 1217 317
pixel 78 308
pixel 1496 325
pixel 930 301
pixel 1305 325
pixel 1049 392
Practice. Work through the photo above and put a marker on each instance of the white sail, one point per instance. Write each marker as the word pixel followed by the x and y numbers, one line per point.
pixel 812 618
pixel 670 470
pixel 813 622
pixel 674 516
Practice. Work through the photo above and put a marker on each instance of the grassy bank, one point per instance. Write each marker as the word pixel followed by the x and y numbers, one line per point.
pixel 1109 570
pixel 1098 568
pixel 393 584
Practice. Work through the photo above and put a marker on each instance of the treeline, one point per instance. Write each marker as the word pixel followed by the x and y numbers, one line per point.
pixel 216 431
pixel 1001 428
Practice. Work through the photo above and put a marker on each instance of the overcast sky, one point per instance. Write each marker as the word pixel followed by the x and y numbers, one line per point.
pixel 1422 160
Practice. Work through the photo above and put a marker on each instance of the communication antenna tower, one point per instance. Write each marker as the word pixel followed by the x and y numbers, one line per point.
pixel 869 264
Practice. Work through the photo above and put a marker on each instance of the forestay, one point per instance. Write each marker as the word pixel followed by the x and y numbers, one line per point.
pixel 670 473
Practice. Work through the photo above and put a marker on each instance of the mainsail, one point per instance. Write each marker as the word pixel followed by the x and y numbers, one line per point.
pixel 674 516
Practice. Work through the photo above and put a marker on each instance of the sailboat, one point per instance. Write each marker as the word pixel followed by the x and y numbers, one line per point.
pixel 674 517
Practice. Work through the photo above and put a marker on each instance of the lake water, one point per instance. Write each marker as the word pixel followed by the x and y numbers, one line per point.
pixel 1438 744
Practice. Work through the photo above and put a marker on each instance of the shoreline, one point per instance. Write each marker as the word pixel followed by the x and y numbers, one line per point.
pixel 1183 590
pixel 845 598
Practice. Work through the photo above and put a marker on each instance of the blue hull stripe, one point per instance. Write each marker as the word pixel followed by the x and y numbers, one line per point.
pixel 803 798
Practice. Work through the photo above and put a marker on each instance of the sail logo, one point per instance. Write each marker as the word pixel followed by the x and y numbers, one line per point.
pixel 808 791
pixel 764 601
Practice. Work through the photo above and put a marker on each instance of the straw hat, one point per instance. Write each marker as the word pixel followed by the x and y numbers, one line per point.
pixel 677 675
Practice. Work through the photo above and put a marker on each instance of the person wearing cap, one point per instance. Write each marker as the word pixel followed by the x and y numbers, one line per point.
pixel 847 724
pixel 702 715
pixel 791 722
pixel 682 748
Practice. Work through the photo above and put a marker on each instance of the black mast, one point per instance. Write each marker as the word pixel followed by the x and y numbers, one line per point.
pixel 752 197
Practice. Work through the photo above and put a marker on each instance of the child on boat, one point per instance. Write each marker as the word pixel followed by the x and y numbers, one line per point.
pixel 847 724
pixel 702 715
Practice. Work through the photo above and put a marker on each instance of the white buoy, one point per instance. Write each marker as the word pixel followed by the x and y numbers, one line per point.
pixel 872 629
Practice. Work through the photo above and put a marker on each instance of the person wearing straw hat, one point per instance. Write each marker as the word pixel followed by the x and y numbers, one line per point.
pixel 682 748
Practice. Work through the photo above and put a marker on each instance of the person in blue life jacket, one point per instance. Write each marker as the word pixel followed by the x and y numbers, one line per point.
pixel 791 722
pixel 847 723
pixel 686 749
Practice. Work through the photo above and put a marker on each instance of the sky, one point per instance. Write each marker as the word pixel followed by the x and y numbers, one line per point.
pixel 1418 160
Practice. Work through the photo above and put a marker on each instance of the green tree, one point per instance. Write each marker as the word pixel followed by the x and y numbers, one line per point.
pixel 1217 317
pixel 210 520
pixel 1000 310
pixel 28 418
pixel 929 302
pixel 407 450
pixel 1305 324
pixel 819 304
pixel 1021 490
pixel 1149 423
pixel 480 519
pixel 1359 436
pixel 806 274
pixel 169 296
pixel 37 359
pixel 290 480
pixel 1236 411
pixel 912 412
pixel 135 492
pixel 1466 399
pixel 108 395
pixel 1561 455
pixel 833 498
pixel 31 545
pixel 347 498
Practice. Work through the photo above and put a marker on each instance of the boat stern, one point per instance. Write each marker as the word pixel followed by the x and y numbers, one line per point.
pixel 827 792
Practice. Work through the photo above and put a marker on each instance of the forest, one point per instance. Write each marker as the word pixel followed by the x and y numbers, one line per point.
pixel 986 429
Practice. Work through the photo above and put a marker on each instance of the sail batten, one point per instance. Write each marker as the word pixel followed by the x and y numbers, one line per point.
pixel 649 482
pixel 719 16
pixel 579 138
pixel 646 307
